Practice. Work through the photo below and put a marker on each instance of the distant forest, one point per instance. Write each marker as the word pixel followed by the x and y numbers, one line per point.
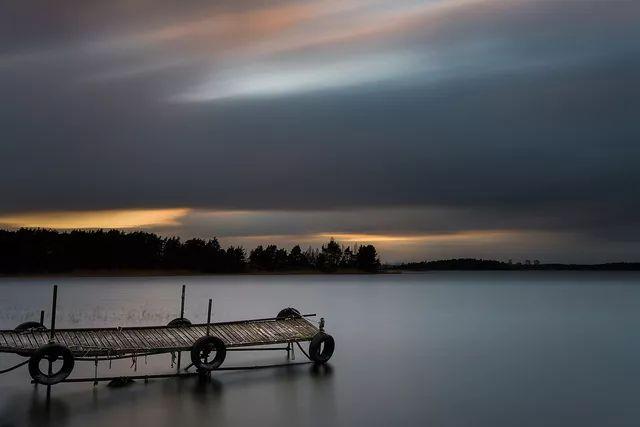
pixel 483 264
pixel 47 251
pixel 40 251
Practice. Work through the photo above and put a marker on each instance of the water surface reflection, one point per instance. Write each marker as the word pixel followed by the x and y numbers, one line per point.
pixel 445 349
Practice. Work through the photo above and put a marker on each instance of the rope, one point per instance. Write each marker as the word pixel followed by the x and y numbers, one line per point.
pixel 126 356
pixel 302 350
pixel 4 371
pixel 134 362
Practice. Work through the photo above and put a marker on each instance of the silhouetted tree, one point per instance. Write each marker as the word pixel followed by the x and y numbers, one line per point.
pixel 367 259
pixel 297 260
pixel 312 255
pixel 330 256
pixel 171 254
pixel 281 259
pixel 348 259
pixel 234 259
pixel 270 258
pixel 256 257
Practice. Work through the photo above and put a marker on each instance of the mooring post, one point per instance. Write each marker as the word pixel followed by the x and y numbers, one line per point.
pixel 53 312
pixel 182 317
pixel 182 303
pixel 322 324
pixel 209 315
pixel 53 332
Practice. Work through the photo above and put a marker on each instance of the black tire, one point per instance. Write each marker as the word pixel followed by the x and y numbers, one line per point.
pixel 201 350
pixel 288 313
pixel 321 348
pixel 179 322
pixel 30 326
pixel 51 352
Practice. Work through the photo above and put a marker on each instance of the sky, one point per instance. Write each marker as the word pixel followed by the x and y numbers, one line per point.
pixel 505 129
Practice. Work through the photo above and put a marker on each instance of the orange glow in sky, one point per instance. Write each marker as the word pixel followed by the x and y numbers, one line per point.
pixel 124 218
pixel 418 238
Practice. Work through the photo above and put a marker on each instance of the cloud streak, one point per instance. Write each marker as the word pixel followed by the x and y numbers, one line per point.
pixel 377 118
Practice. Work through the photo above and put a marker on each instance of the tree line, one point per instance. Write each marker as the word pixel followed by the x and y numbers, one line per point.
pixel 49 251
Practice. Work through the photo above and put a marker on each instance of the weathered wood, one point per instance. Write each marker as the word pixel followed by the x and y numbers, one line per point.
pixel 114 341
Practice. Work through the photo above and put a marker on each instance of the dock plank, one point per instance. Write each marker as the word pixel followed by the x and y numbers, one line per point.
pixel 166 337
pixel 160 337
pixel 219 332
pixel 183 336
pixel 136 339
pixel 24 336
pixel 237 337
pixel 116 344
pixel 60 338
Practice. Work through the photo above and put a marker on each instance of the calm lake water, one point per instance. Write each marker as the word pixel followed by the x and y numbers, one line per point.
pixel 436 349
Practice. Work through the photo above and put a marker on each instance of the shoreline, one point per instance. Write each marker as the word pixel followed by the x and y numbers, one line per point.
pixel 174 273
pixel 170 273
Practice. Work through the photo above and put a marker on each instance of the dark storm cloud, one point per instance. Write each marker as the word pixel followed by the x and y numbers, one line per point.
pixel 516 115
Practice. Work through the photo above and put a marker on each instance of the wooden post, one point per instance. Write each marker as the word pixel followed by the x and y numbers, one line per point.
pixel 41 317
pixel 53 332
pixel 182 303
pixel 209 315
pixel 182 317
pixel 53 312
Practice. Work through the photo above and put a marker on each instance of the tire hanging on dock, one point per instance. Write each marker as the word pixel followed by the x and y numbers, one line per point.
pixel 51 352
pixel 203 348
pixel 179 322
pixel 288 313
pixel 321 348
pixel 30 326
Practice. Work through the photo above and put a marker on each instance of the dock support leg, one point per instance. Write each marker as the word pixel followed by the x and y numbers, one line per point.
pixel 202 374
pixel 95 372
pixel 41 324
pixel 53 333
pixel 49 387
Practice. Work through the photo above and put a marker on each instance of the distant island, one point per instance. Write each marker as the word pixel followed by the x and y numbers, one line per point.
pixel 484 264
pixel 114 252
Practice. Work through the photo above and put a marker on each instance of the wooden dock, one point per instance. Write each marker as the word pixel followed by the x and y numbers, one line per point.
pixel 105 342
pixel 206 343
